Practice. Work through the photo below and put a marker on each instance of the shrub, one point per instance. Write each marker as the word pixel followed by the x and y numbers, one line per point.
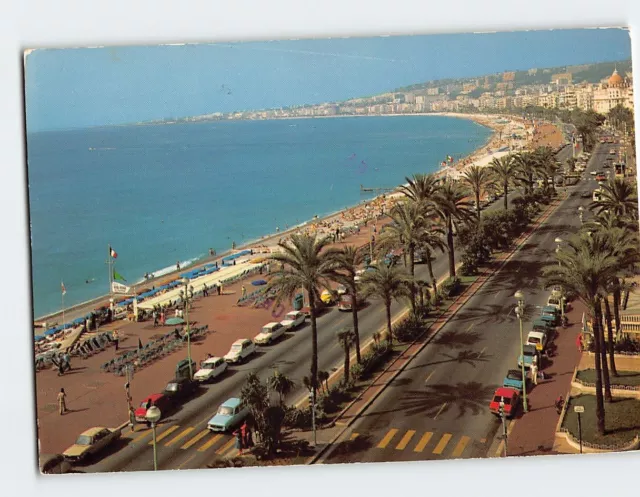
pixel 408 329
pixel 451 287
pixel 626 345
pixel 357 371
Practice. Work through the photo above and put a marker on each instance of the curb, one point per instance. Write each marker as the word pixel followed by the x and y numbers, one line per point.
pixel 537 223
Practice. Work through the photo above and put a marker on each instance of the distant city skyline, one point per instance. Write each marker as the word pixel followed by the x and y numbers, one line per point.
pixel 73 88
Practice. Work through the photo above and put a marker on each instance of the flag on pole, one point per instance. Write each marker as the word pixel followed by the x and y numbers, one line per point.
pixel 118 276
pixel 114 254
pixel 64 290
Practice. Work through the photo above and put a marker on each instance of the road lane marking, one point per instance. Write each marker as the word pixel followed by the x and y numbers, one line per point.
pixel 405 440
pixel 188 460
pixel 457 452
pixel 429 377
pixel 470 326
pixel 387 438
pixel 482 352
pixel 210 443
pixel 180 435
pixel 442 443
pixel 165 433
pixel 354 435
pixel 195 439
pixel 423 441
pixel 226 446
pixel 441 408
pixel 141 436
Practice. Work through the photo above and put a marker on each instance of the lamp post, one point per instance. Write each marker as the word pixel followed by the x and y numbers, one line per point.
pixel 558 242
pixel 581 214
pixel 185 298
pixel 153 416
pixel 504 426
pixel 520 313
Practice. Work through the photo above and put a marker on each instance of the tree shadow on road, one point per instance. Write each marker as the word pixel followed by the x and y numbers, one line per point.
pixel 466 356
pixel 464 397
pixel 457 339
pixel 362 443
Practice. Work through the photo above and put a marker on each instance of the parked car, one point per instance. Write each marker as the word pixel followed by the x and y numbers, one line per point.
pixel 230 414
pixel 180 389
pixel 182 368
pixel 53 464
pixel 327 297
pixel 538 339
pixel 530 351
pixel 293 319
pixel 551 315
pixel 341 290
pixel 542 325
pixel 91 442
pixel 511 399
pixel 160 400
pixel 270 333
pixel 601 177
pixel 210 369
pixel 240 350
pixel 514 380
pixel 585 194
pixel 345 303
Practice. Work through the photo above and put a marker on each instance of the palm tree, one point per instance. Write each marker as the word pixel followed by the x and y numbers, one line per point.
pixel 547 166
pixel 582 270
pixel 281 384
pixel 347 261
pixel 323 377
pixel 420 187
pixel 432 239
pixel 451 206
pixel 504 171
pixel 618 197
pixel 345 339
pixel 404 231
pixel 388 283
pixel 477 178
pixel 525 165
pixel 310 266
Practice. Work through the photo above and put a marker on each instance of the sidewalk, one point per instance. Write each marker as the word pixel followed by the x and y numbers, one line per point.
pixel 533 433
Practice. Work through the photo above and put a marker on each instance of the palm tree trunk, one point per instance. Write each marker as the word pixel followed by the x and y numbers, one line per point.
pixel 598 366
pixel 452 261
pixel 346 363
pixel 434 283
pixel 354 314
pixel 314 343
pixel 387 305
pixel 478 203
pixel 412 271
pixel 603 352
pixel 506 195
pixel 612 360
pixel 616 306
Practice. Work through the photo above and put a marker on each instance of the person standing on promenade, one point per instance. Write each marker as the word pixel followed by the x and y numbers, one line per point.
pixel 62 402
pixel 579 342
pixel 239 440
pixel 244 292
pixel 116 339
pixel 534 372
pixel 155 318
pixel 132 419
pixel 218 288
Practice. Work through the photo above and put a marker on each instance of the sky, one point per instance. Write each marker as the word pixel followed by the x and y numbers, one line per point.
pixel 75 88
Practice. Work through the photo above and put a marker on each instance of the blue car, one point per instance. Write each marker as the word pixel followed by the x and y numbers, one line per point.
pixel 514 380
pixel 530 352
pixel 229 415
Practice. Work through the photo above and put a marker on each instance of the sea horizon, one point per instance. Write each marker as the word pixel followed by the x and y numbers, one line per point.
pixel 165 193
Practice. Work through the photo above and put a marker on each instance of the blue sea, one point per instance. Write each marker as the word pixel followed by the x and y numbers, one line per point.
pixel 166 193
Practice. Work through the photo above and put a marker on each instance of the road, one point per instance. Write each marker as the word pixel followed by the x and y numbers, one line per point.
pixel 183 439
pixel 437 408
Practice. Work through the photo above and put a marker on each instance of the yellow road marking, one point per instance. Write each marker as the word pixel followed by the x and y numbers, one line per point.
pixel 195 439
pixel 226 446
pixel 470 326
pixel 165 433
pixel 180 435
pixel 442 443
pixel 141 436
pixel 441 408
pixel 423 441
pixel 387 438
pixel 430 375
pixel 457 452
pixel 354 435
pixel 482 352
pixel 180 467
pixel 210 443
pixel 405 440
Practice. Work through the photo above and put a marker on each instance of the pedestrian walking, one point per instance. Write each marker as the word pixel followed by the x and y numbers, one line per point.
pixel 116 339
pixel 155 318
pixel 238 445
pixel 534 373
pixel 66 359
pixel 139 343
pixel 62 402
pixel 579 342
pixel 132 418
pixel 244 292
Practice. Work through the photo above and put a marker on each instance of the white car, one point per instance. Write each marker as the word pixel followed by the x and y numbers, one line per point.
pixel 341 290
pixel 240 350
pixel 210 369
pixel 292 320
pixel 270 333
pixel 538 339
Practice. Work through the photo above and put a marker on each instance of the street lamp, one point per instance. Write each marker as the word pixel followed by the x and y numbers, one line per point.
pixel 581 213
pixel 153 415
pixel 504 425
pixel 184 294
pixel 520 313
pixel 558 242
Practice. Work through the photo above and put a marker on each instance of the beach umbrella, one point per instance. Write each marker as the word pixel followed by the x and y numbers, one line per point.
pixel 37 338
pixel 258 282
pixel 50 332
pixel 174 321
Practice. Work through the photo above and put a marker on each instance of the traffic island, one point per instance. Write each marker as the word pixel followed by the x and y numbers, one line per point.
pixel 622 425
